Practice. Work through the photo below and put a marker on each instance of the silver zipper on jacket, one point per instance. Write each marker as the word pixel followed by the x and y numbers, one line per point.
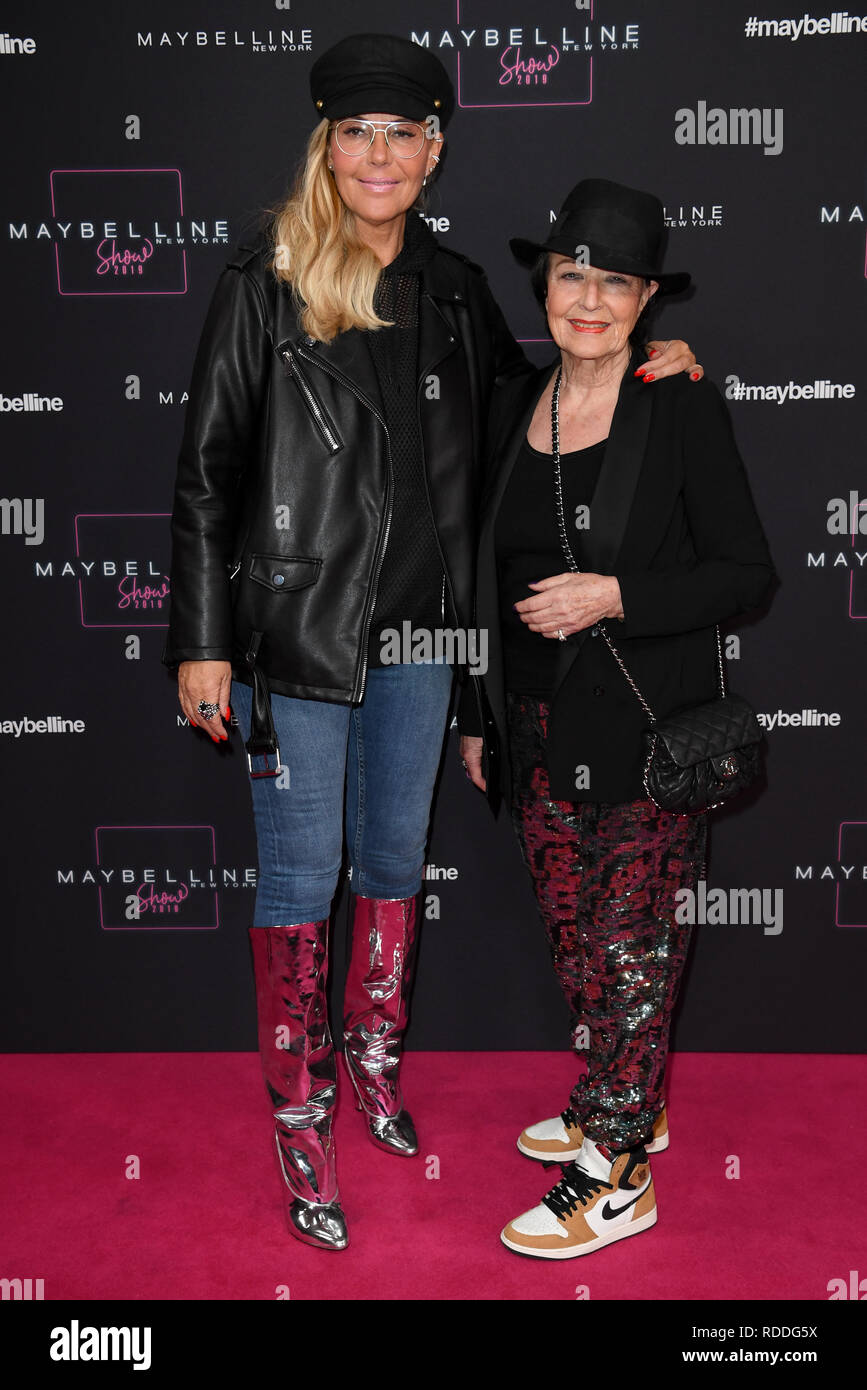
pixel 358 692
pixel 311 402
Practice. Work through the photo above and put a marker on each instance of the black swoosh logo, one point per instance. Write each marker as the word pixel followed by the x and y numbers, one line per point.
pixel 609 1212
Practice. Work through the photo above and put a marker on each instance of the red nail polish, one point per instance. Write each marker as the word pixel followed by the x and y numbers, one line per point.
pixel 693 376
pixel 639 372
pixel 648 376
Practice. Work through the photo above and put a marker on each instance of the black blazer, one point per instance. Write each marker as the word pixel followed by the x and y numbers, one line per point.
pixel 674 519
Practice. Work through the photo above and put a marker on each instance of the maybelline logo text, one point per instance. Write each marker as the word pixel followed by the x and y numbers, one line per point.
pixel 839 22
pixel 799 719
pixel 737 390
pixel 11 47
pixel 51 724
pixel 286 40
pixel 29 402
pixel 134 589
pixel 694 215
pixel 835 873
pixel 210 877
pixel 110 257
pixel 513 39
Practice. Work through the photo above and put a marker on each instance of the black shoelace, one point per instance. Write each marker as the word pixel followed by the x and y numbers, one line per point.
pixel 569 1118
pixel 576 1187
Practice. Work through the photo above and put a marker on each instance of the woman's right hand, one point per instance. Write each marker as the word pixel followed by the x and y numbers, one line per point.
pixel 210 681
pixel 471 755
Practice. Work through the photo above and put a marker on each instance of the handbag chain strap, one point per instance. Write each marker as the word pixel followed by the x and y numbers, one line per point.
pixel 570 558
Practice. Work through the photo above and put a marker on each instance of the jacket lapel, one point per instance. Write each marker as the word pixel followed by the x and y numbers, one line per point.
pixel 436 339
pixel 349 357
pixel 615 491
pixel 618 477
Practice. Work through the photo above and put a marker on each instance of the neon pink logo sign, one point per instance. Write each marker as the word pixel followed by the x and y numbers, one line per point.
pixel 156 877
pixel 106 243
pixel 540 56
pixel 851 894
pixel 123 560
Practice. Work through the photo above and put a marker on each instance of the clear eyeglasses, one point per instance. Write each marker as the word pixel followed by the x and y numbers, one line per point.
pixel 404 138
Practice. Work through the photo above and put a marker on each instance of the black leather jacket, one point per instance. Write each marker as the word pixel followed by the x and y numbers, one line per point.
pixel 283 495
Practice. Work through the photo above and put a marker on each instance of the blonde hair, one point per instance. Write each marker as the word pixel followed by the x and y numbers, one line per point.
pixel 316 250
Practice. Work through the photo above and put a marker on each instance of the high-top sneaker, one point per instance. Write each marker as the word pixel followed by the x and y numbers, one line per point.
pixel 559 1140
pixel 598 1200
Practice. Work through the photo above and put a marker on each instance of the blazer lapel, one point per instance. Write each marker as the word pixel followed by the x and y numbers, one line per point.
pixel 615 490
pixel 618 477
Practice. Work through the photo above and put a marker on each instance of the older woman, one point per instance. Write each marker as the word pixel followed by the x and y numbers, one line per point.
pixel 647 497
pixel 326 494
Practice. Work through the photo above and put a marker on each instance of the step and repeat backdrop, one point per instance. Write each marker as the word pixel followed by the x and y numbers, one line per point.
pixel 141 144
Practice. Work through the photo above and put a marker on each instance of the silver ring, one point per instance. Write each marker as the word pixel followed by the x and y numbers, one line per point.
pixel 206 710
pixel 561 634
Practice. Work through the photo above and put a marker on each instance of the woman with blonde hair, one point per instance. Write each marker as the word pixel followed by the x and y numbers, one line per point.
pixel 325 498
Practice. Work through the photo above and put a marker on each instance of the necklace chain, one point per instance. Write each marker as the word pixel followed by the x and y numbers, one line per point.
pixel 558 481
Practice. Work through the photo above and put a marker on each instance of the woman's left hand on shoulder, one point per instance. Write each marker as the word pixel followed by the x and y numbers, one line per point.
pixel 570 603
pixel 667 359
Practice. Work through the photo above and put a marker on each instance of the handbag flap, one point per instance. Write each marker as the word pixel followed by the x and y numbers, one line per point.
pixel 698 732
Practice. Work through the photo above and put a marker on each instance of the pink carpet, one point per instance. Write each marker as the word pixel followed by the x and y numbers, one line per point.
pixel 204 1220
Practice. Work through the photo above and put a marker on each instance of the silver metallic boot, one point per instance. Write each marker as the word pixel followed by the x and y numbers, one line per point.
pixel 300 1070
pixel 382 948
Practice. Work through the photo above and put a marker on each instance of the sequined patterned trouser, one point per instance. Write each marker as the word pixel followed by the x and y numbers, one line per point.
pixel 605 878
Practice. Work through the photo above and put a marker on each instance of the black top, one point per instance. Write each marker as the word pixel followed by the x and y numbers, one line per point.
pixel 411 581
pixel 527 542
pixel 674 521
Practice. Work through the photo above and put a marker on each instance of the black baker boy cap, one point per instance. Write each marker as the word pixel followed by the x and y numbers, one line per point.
pixel 622 228
pixel 380 72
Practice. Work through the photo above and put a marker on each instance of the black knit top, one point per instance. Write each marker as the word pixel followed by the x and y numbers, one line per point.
pixel 411 580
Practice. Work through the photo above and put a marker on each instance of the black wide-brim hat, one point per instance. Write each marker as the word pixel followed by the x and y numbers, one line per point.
pixel 622 228
pixel 381 72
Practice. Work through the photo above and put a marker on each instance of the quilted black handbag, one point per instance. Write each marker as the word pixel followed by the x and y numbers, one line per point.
pixel 699 757
pixel 703 755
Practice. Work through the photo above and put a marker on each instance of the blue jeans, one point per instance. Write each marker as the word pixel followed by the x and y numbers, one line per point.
pixel 384 754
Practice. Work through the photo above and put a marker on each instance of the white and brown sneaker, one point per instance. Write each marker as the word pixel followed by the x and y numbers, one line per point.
pixel 597 1201
pixel 559 1140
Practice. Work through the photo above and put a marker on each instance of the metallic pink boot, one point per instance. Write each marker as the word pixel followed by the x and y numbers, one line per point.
pixel 300 1070
pixel 382 942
